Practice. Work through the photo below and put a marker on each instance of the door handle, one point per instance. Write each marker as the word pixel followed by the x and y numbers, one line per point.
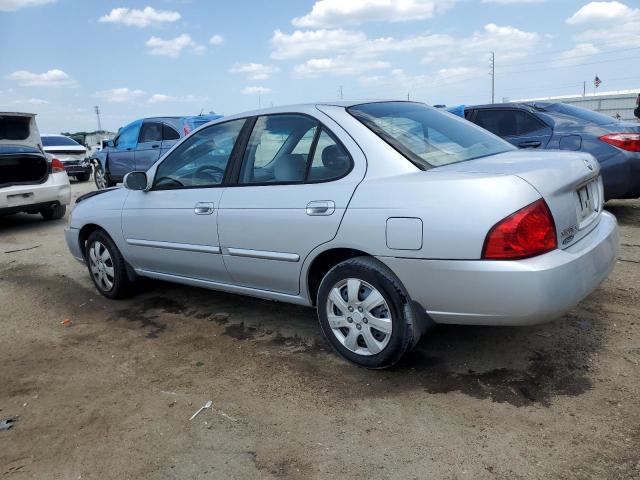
pixel 155 146
pixel 530 144
pixel 203 208
pixel 321 207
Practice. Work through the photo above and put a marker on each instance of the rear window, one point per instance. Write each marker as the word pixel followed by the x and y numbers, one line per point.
pixel 582 113
pixel 14 127
pixel 58 140
pixel 428 137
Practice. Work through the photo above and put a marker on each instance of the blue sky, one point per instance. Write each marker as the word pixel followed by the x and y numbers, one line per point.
pixel 59 58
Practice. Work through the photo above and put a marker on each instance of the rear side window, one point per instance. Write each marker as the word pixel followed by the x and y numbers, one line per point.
pixel 508 122
pixel 330 159
pixel 426 136
pixel 14 128
pixel 169 133
pixel 151 132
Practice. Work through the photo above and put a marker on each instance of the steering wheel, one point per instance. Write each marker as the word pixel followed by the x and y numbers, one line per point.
pixel 210 171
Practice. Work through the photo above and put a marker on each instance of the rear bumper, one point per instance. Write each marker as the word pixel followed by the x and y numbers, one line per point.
pixel 77 167
pixel 24 198
pixel 523 292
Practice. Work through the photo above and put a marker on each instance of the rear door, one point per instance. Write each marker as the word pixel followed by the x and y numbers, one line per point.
pixel 122 156
pixel 293 187
pixel 149 145
pixel 519 127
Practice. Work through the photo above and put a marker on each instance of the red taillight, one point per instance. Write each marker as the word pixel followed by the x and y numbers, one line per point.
pixel 56 166
pixel 528 232
pixel 625 141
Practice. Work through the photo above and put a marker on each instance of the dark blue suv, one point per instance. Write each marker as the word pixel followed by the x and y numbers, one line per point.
pixel 140 144
pixel 558 126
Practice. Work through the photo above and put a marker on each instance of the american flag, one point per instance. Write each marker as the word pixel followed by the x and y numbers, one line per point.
pixel 597 81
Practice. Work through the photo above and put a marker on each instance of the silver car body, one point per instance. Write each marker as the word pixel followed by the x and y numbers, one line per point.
pixel 427 226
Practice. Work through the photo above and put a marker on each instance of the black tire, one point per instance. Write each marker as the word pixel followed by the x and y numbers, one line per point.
pixel 101 178
pixel 406 329
pixel 54 213
pixel 83 177
pixel 121 285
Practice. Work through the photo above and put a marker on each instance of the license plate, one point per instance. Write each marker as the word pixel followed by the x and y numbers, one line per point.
pixel 588 201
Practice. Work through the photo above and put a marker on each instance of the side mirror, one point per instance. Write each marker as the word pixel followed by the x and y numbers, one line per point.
pixel 135 181
pixel 109 143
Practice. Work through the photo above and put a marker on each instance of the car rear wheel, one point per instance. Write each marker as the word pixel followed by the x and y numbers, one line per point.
pixel 54 213
pixel 366 314
pixel 101 178
pixel 106 266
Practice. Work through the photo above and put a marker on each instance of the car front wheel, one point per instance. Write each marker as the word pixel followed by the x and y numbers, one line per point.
pixel 106 266
pixel 366 314
pixel 101 178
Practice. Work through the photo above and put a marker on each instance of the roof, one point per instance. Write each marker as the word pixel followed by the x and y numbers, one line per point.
pixel 21 114
pixel 588 95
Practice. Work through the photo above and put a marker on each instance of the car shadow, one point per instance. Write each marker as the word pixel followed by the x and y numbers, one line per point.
pixel 627 212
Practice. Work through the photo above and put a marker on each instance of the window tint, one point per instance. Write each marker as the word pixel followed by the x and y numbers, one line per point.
pixel 151 132
pixel 128 137
pixel 506 123
pixel 330 159
pixel 201 160
pixel 426 136
pixel 278 149
pixel 58 140
pixel 169 133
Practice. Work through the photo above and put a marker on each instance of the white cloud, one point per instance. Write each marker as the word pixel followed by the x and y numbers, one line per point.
pixel 338 66
pixel 121 95
pixel 133 17
pixel 50 78
pixel 256 90
pixel 254 71
pixel 13 5
pixel 602 11
pixel 332 13
pixel 36 101
pixel 512 2
pixel 162 98
pixel 301 43
pixel 173 47
pixel 576 54
pixel 216 39
pixel 407 82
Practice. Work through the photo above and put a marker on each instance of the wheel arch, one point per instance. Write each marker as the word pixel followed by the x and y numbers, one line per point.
pixel 324 261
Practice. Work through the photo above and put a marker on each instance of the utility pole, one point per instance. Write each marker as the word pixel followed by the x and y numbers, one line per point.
pixel 340 90
pixel 493 77
pixel 407 96
pixel 97 110
pixel 584 89
pixel 259 100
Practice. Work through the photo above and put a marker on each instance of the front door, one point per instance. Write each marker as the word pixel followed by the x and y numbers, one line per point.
pixel 121 159
pixel 294 184
pixel 172 228
pixel 149 145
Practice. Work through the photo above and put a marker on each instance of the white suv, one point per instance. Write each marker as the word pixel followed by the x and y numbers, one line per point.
pixel 31 181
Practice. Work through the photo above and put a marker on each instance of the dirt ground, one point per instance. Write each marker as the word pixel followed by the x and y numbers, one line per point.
pixel 110 395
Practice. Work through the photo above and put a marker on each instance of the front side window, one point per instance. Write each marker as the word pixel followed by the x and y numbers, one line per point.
pixel 278 149
pixel 201 160
pixel 426 136
pixel 128 137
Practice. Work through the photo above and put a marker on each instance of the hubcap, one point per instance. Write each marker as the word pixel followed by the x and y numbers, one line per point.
pixel 100 180
pixel 101 266
pixel 359 316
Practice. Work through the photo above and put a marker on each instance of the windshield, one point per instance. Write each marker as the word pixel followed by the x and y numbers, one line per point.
pixel 58 140
pixel 426 136
pixel 581 113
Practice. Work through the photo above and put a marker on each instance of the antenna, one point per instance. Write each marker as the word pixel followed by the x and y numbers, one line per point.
pixel 97 110
pixel 493 76
pixel 340 92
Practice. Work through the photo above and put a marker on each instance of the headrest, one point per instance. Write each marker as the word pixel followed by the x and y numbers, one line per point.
pixel 290 168
pixel 335 158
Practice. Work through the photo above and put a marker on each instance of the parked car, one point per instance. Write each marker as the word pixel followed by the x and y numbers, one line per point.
pixel 385 216
pixel 72 155
pixel 559 126
pixel 31 180
pixel 139 144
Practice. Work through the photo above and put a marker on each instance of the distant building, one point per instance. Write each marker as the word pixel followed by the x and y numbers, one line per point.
pixel 618 104
pixel 96 138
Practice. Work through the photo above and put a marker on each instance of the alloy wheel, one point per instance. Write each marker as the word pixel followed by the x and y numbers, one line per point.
pixel 359 316
pixel 101 265
pixel 101 181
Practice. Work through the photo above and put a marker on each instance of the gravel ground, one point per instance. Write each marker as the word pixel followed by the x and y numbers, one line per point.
pixel 109 394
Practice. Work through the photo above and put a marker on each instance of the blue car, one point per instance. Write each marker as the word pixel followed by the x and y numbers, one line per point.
pixel 140 144
pixel 559 126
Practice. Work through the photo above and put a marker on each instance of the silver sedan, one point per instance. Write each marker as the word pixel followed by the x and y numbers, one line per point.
pixel 387 217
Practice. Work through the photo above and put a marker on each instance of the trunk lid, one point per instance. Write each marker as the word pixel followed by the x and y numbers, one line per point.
pixel 568 181
pixel 22 161
pixel 67 153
